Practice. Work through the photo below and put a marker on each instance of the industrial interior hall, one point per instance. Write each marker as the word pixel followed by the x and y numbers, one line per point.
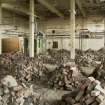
pixel 52 52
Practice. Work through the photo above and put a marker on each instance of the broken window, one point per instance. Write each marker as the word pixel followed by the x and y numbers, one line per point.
pixel 53 31
pixel 55 44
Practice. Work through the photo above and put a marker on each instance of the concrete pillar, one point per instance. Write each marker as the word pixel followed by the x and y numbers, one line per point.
pixel 104 32
pixel 21 44
pixel 0 27
pixel 32 26
pixel 72 28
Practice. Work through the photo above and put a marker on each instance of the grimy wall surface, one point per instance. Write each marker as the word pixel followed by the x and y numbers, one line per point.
pixel 92 23
pixel 19 23
pixel 14 22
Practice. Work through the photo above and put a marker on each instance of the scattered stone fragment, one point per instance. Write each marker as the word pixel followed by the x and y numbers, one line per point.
pixel 86 95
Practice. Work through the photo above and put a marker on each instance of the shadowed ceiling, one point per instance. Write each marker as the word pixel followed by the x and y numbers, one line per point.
pixel 56 8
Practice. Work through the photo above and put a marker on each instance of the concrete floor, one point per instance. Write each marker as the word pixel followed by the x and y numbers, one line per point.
pixel 50 95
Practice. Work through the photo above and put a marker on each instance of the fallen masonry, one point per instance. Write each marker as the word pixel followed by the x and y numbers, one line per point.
pixel 89 93
pixel 25 69
pixel 66 77
pixel 12 93
pixel 18 74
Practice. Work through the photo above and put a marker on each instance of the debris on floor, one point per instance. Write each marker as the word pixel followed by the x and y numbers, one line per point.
pixel 89 93
pixel 99 72
pixel 12 93
pixel 25 69
pixel 59 56
pixel 66 77
pixel 18 73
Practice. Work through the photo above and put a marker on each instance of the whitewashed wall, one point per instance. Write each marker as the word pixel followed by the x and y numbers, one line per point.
pixel 94 44
pixel 92 23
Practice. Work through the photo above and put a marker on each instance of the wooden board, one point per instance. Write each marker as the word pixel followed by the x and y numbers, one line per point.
pixel 10 44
